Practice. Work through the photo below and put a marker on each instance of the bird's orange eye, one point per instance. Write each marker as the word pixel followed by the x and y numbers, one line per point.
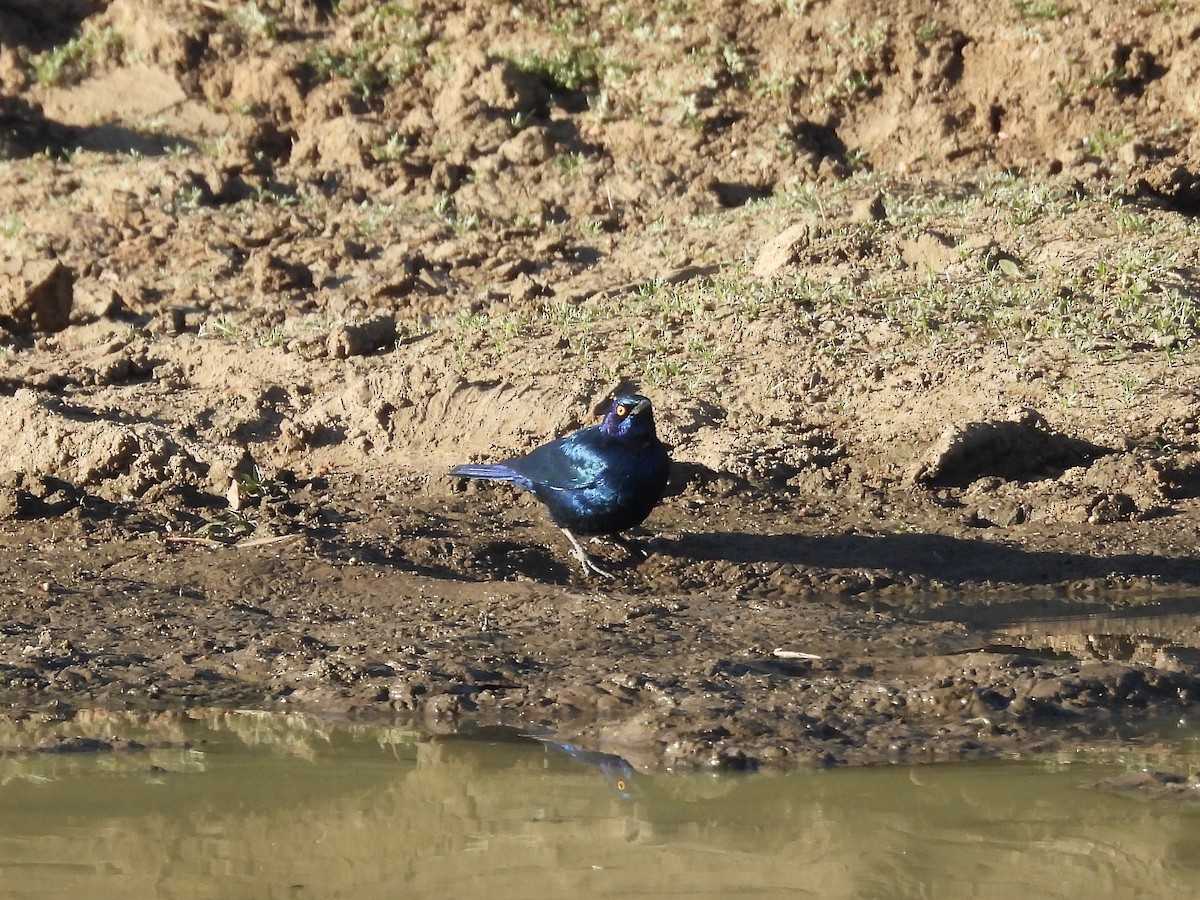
pixel 622 410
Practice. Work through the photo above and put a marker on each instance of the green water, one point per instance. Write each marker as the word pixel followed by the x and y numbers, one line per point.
pixel 277 807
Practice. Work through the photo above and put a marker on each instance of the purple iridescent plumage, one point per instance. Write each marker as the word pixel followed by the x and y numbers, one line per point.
pixel 599 480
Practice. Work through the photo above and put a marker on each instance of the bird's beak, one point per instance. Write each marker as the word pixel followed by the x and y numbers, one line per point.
pixel 642 406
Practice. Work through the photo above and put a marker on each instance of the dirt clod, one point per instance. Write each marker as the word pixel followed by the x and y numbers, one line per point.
pixel 36 296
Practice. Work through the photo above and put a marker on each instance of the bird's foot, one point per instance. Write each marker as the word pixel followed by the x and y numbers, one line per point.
pixel 631 546
pixel 585 560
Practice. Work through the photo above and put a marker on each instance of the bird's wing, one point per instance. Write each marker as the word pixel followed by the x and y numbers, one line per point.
pixel 568 464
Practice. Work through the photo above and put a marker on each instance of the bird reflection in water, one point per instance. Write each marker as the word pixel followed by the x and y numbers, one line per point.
pixel 615 769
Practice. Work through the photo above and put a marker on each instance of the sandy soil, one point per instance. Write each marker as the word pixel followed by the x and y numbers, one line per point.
pixel 913 289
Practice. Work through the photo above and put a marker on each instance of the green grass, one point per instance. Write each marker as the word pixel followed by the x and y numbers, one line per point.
pixel 852 37
pixel 276 336
pixel 11 225
pixel 1127 297
pixel 360 67
pixel 186 200
pixel 374 215
pixel 255 485
pixel 571 164
pixel 928 31
pixel 1107 291
pixel 393 150
pixel 1046 10
pixel 75 60
pixel 574 68
pixel 227 528
pixel 460 223
pixel 1110 78
pixel 221 328
pixel 255 22
pixel 1124 288
pixel 389 42
pixel 852 85
pixel 519 120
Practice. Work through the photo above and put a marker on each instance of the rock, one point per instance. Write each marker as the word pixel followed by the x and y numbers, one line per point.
pixel 272 274
pixel 111 460
pixel 782 250
pixel 1018 446
pixel 929 252
pixel 869 209
pixel 731 194
pixel 1176 187
pixel 525 287
pixel 1153 785
pixel 10 498
pixel 360 338
pixel 1131 153
pixel 344 142
pixel 170 321
pixel 151 32
pixel 528 147
pixel 1142 481
pixel 1109 508
pixel 36 296
pixel 1003 514
pixel 507 270
pixel 94 299
pixel 480 82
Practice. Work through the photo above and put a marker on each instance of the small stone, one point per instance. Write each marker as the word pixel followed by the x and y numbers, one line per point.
pixel 1111 508
pixel 170 321
pixel 95 300
pixel 870 209
pixel 524 287
pixel 782 250
pixel 36 296
pixel 1130 154
pixel 360 338
pixel 1003 514
pixel 1016 444
pixel 929 252
pixel 528 147
pixel 272 274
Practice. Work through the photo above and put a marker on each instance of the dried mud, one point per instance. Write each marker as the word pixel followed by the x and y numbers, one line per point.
pixel 270 269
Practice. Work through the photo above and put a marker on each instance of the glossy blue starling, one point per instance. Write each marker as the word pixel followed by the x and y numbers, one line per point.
pixel 596 481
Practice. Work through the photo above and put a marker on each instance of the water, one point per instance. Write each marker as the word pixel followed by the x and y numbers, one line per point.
pixel 280 807
pixel 1163 634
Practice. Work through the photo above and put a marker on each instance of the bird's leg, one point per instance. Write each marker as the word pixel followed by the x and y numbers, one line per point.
pixel 631 546
pixel 584 559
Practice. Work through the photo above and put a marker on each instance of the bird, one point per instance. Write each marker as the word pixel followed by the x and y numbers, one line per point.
pixel 616 769
pixel 600 480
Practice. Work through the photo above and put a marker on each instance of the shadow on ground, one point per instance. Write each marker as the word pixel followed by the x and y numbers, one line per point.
pixel 930 556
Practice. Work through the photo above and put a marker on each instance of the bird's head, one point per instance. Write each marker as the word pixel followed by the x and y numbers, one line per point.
pixel 629 416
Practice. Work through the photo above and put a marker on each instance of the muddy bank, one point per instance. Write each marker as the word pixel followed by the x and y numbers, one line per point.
pixel 729 676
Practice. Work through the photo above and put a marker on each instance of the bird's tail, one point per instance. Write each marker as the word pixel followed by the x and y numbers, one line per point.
pixel 490 471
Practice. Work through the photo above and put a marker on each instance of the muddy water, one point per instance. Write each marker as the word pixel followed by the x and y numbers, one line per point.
pixel 1162 633
pixel 235 805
